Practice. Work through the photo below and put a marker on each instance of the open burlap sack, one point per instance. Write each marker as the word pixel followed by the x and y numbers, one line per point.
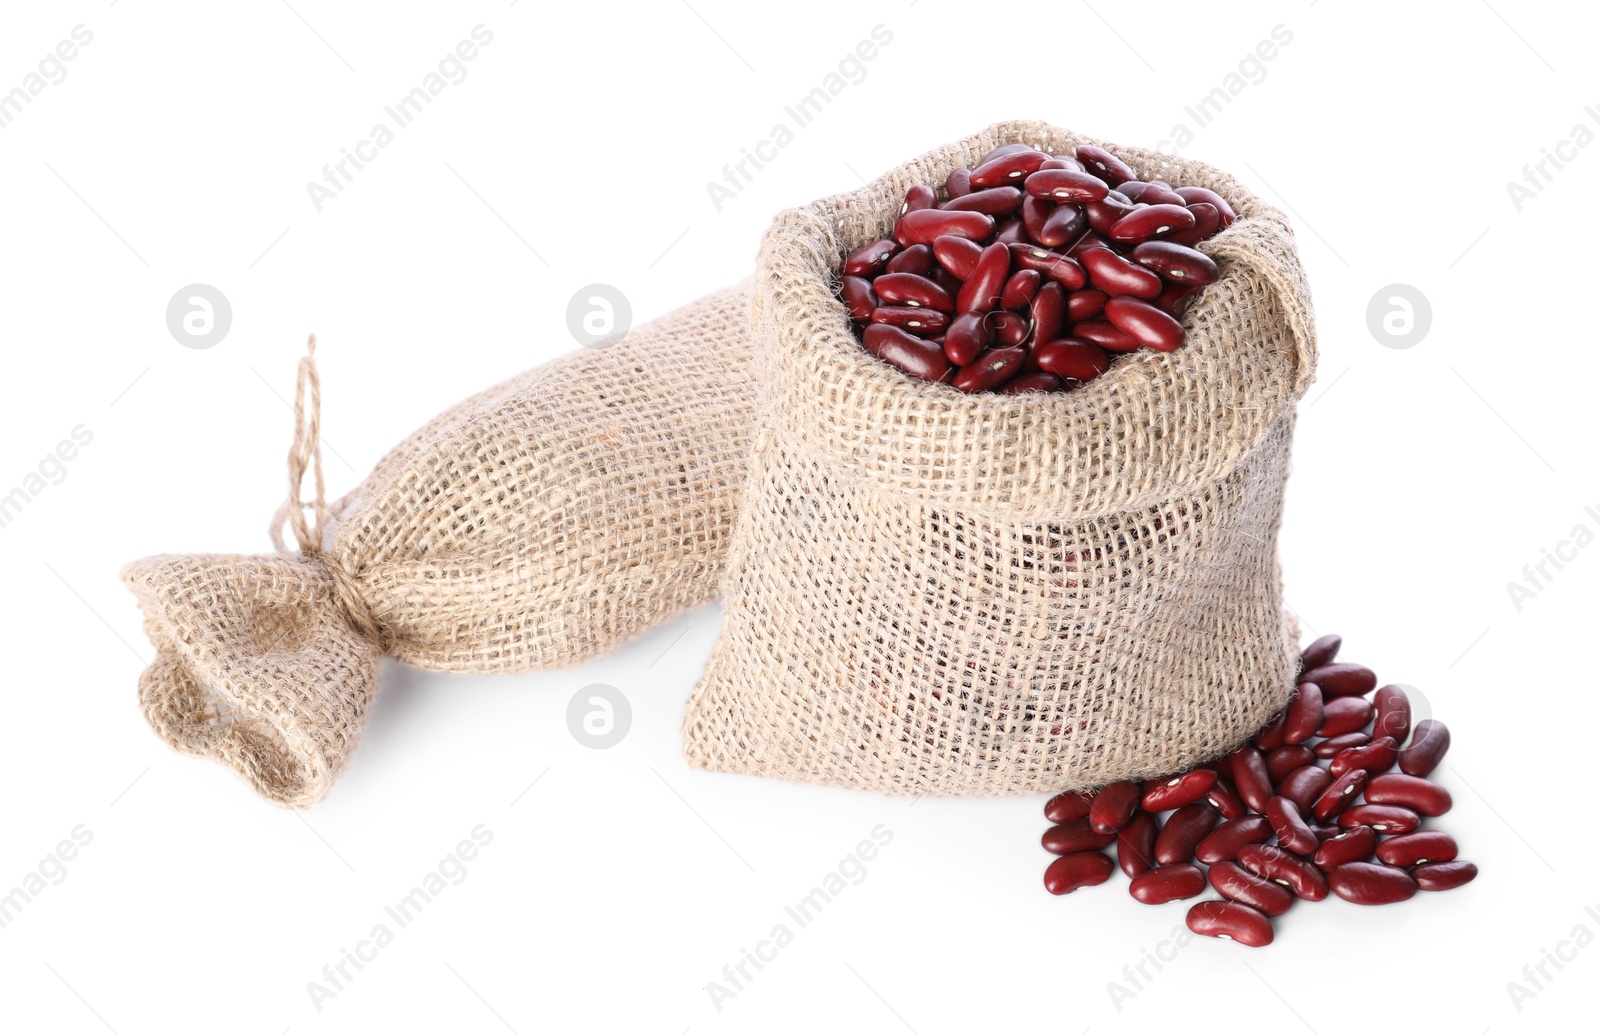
pixel 536 524
pixel 936 593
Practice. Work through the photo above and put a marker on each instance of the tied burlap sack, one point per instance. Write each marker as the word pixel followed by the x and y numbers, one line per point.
pixel 936 593
pixel 536 524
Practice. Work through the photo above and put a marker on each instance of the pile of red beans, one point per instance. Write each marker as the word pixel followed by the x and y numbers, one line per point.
pixel 1033 271
pixel 1298 784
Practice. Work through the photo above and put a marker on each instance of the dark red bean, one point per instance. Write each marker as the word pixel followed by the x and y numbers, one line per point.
pixel 1342 679
pixel 1105 165
pixel 996 201
pixel 1047 312
pixel 1354 845
pixel 1225 799
pixel 1085 305
pixel 1020 289
pixel 1078 870
pixel 1073 360
pixel 918 197
pixel 858 297
pixel 981 292
pixel 1062 162
pixel 1115 275
pixel 1225 841
pixel 1038 381
pixel 1413 792
pixel 1151 326
pixel 1304 786
pixel 912 355
pixel 1444 875
pixel 1176 262
pixel 1136 844
pixel 912 290
pixel 1065 185
pixel 1009 328
pixel 1424 846
pixel 1068 805
pixel 1114 806
pixel 1394 713
pixel 1060 268
pixel 958 183
pixel 1150 221
pixel 1005 149
pixel 1289 826
pixel 957 254
pixel 1007 169
pixel 1142 193
pixel 1281 867
pixel 1234 882
pixel 969 335
pixel 1102 215
pixel 1303 715
pixel 916 259
pixel 1180 790
pixel 1034 212
pixel 1285 760
pixel 1341 793
pixel 1168 884
pixel 925 226
pixel 1381 819
pixel 1183 831
pixel 1074 836
pixel 1272 738
pixel 990 370
pixel 1107 335
pixel 869 259
pixel 1250 777
pixel 1371 884
pixel 1205 196
pixel 1342 714
pixel 1429 742
pixel 1375 757
pixel 1220 918
pixel 1343 742
pixel 1206 224
pixel 1174 299
pixel 1012 231
pixel 918 320
pixel 1066 224
pixel 1322 650
pixel 945 279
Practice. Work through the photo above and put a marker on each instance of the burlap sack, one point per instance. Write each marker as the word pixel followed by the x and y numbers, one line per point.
pixel 536 524
pixel 935 593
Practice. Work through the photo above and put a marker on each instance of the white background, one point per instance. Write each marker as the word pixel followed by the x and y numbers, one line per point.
pixel 177 150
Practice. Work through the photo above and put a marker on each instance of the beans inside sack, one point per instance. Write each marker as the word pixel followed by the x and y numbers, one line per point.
pixel 1033 272
pixel 1309 806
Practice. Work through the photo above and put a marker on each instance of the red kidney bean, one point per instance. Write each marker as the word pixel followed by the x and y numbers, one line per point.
pixel 1114 806
pixel 1008 168
pixel 1424 846
pixel 1047 312
pixel 1325 830
pixel 1115 275
pixel 1225 799
pixel 1174 299
pixel 1291 871
pixel 1107 335
pixel 911 290
pixel 1037 381
pixel 1234 882
pixel 918 320
pixel 1443 876
pixel 1180 790
pixel 957 254
pixel 1078 870
pixel 1413 792
pixel 1272 738
pixel 1321 651
pixel 1225 841
pixel 1286 759
pixel 996 201
pixel 1062 162
pixel 858 297
pixel 1105 165
pixel 1153 328
pixel 870 259
pixel 1005 149
pixel 1020 289
pixel 1374 757
pixel 1341 793
pixel 1150 221
pixel 1429 742
pixel 1177 262
pixel 1009 328
pixel 1220 918
pixel 1342 680
pixel 990 370
pixel 1342 714
pixel 959 183
pixel 1289 827
pixel 1168 884
pixel 945 279
pixel 1102 215
pixel 1074 836
pixel 927 225
pixel 1304 714
pixel 1012 231
pixel 1068 805
pixel 1394 714
pixel 982 290
pixel 1066 223
pixel 1380 819
pixel 914 356
pixel 1202 195
pixel 1371 884
pixel 1065 185
pixel 1304 786
pixel 1034 213
pixel 1136 844
pixel 1183 831
pixel 1060 268
pixel 969 335
pixel 916 259
pixel 919 196
pixel 1354 845
pixel 1250 778
pixel 1343 742
pixel 1206 223
pixel 1085 305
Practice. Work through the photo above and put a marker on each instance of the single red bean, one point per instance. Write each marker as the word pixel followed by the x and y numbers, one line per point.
pixel 1304 786
pixel 1429 742
pixel 858 297
pixel 1225 841
pixel 1176 262
pixel 1020 289
pixel 945 279
pixel 1290 828
pixel 1136 843
pixel 927 225
pixel 1074 836
pixel 1107 335
pixel 1065 185
pixel 1341 793
pixel 990 370
pixel 1250 777
pixel 996 201
pixel 1060 268
pixel 1078 870
pixel 1394 713
pixel 1183 831
pixel 1342 714
pixel 912 290
pixel 959 183
pixel 1304 714
pixel 1273 737
pixel 1443 876
pixel 1420 795
pixel 1114 806
pixel 918 320
pixel 1074 360
pixel 969 335
pixel 1037 381
pixel 1008 168
pixel 1062 162
pixel 1234 882
pixel 1220 918
pixel 1203 195
pixel 1012 231
pixel 1105 165
pixel 1175 298
pixel 1206 224
pixel 1066 223
pixel 1115 275
pixel 1225 799
pixel 1424 846
pixel 1354 845
pixel 1034 212
pixel 957 254
pixel 869 259
pixel 1342 679
pixel 1145 322
pixel 1374 757
pixel 1047 312
pixel 1180 790
pixel 1068 805
pixel 1085 305
pixel 1343 742
pixel 918 197
pixel 1005 149
pixel 916 259
pixel 1322 650
pixel 982 290
pixel 1325 830
pixel 914 356
pixel 1135 191
pixel 1102 215
pixel 1371 884
pixel 1285 760
pixel 1281 867
pixel 1381 819
pixel 1150 221
pixel 1168 884
pixel 1009 328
